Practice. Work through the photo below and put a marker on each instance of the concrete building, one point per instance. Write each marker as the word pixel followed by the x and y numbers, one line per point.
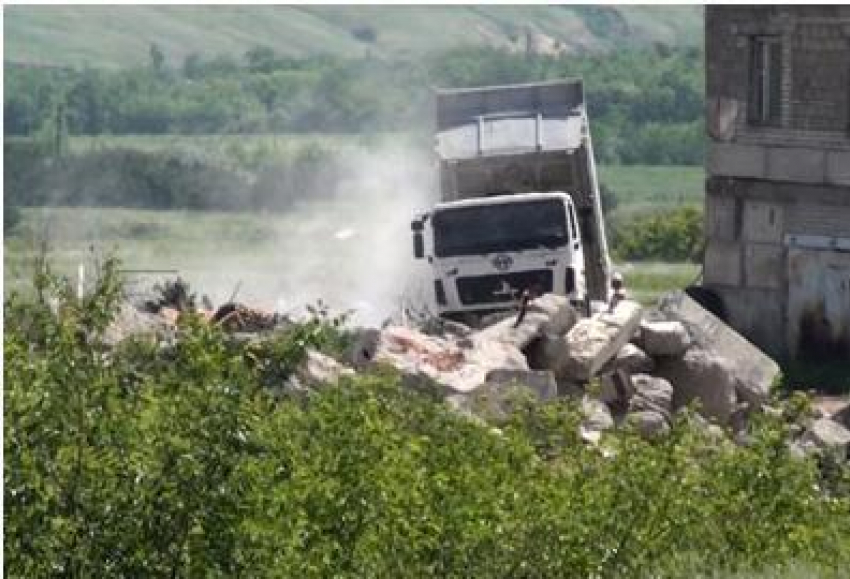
pixel 778 164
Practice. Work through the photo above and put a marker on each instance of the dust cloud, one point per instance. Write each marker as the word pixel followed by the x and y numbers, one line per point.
pixel 351 248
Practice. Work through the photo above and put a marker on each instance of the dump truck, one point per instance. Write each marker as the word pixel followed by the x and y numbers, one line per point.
pixel 520 212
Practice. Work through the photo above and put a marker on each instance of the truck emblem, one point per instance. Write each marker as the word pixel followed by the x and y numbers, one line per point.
pixel 505 290
pixel 503 262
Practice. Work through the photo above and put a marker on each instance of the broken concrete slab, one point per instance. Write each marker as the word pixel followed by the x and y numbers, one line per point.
pixel 842 416
pixel 669 338
pixel 540 382
pixel 633 360
pixel 497 398
pixel 613 388
pixel 443 361
pixel 755 373
pixel 548 352
pixel 319 369
pixel 703 376
pixel 828 435
pixel 548 314
pixel 651 394
pixel 593 341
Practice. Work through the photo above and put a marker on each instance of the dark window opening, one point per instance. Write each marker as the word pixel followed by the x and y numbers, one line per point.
pixel 765 80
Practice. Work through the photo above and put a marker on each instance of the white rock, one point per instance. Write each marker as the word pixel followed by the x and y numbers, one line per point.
pixel 663 338
pixel 593 341
pixel 829 435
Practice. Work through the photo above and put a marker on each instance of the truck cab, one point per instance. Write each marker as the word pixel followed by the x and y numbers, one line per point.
pixel 519 209
pixel 486 252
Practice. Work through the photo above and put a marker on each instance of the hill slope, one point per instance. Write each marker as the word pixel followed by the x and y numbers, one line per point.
pixel 114 36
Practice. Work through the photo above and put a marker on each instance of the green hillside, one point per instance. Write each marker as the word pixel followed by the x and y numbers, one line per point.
pixel 112 36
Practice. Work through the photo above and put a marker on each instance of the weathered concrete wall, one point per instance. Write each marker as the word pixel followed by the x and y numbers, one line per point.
pixel 815 49
pixel 771 186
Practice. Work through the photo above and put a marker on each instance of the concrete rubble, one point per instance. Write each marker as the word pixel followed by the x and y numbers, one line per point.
pixel 627 367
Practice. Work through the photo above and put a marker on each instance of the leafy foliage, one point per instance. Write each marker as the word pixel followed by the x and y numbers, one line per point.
pixel 645 105
pixel 149 461
pixel 671 235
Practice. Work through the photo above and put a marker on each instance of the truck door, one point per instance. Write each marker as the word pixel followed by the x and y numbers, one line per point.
pixel 575 275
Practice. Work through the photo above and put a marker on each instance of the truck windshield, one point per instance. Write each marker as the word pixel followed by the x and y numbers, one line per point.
pixel 502 227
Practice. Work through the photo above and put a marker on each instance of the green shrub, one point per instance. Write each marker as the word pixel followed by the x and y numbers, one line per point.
pixel 147 460
pixel 672 235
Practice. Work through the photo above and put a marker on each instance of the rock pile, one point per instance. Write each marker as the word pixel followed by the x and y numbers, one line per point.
pixel 626 366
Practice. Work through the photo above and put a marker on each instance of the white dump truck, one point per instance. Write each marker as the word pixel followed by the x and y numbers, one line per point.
pixel 520 211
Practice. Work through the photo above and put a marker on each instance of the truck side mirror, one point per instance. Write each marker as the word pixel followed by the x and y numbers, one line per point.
pixel 418 245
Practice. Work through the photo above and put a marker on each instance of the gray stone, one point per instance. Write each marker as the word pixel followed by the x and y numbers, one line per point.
pixel 497 398
pixel 753 371
pixel 613 388
pixel 842 416
pixel 652 394
pixel 364 347
pixel 541 382
pixel 699 375
pixel 649 423
pixel 548 352
pixel 829 435
pixel 663 338
pixel 633 360
pixel 320 369
pixel 597 419
pixel 593 341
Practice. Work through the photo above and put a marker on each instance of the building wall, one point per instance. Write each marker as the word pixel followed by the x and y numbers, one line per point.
pixel 778 195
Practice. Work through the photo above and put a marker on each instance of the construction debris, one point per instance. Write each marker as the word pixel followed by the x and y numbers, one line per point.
pixel 753 371
pixel 594 341
pixel 625 370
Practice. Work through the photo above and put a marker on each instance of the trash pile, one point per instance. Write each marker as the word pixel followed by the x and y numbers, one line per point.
pixel 157 312
pixel 627 365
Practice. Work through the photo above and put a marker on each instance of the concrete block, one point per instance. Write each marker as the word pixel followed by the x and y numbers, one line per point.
pixel 753 371
pixel 838 167
pixel 723 263
pixel 798 164
pixel 763 222
pixel 763 266
pixel 720 218
pixel 595 340
pixel 734 160
pixel 663 338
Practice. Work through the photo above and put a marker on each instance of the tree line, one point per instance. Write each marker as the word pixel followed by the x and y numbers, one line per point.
pixel 646 106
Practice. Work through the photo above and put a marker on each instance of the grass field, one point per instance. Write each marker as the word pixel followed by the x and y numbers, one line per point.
pixel 116 36
pixel 277 261
pixel 640 186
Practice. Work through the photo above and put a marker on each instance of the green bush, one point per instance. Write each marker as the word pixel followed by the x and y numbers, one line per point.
pixel 177 461
pixel 672 235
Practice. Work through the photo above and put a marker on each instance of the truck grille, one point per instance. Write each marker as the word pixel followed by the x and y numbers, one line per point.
pixel 488 289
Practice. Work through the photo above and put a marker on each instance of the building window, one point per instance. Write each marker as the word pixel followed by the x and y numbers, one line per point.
pixel 765 80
